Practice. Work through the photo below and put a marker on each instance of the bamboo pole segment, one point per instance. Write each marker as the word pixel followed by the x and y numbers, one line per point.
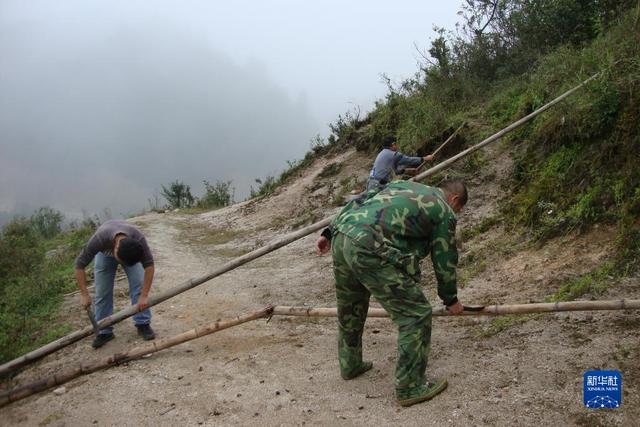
pixel 440 147
pixel 156 299
pixel 135 353
pixel 237 262
pixel 496 136
pixel 158 345
pixel 448 139
pixel 490 310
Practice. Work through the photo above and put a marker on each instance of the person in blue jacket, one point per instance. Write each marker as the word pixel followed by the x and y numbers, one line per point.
pixel 390 162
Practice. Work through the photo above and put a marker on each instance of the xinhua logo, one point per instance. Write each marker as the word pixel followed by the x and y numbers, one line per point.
pixel 602 389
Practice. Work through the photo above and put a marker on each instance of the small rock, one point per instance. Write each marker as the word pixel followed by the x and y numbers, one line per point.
pixel 239 395
pixel 361 407
pixel 200 369
pixel 277 393
pixel 60 391
pixel 180 377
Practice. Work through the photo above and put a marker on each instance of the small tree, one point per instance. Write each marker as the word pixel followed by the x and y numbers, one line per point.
pixel 216 195
pixel 47 222
pixel 178 195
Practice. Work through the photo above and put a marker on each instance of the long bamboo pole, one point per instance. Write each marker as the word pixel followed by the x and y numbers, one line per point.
pixel 130 311
pixel 280 310
pixel 490 310
pixel 156 299
pixel 135 353
pixel 496 136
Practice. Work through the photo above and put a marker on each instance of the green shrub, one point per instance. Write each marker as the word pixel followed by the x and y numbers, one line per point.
pixel 178 195
pixel 216 195
pixel 47 222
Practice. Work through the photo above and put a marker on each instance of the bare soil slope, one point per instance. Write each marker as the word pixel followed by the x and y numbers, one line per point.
pixel 523 370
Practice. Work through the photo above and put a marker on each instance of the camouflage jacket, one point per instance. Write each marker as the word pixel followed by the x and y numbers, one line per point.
pixel 402 224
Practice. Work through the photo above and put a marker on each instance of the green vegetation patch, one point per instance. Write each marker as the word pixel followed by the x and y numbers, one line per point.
pixel 503 323
pixel 206 236
pixel 36 270
pixel 594 283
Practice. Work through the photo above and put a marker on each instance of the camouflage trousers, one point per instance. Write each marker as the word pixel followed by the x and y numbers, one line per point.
pixel 359 274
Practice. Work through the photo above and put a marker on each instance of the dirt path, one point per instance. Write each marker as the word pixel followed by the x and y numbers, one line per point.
pixel 285 372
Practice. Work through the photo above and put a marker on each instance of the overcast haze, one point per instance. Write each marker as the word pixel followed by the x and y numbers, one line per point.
pixel 102 102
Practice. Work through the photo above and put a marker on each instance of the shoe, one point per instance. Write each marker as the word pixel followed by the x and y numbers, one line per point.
pixel 426 392
pixel 146 332
pixel 356 373
pixel 102 339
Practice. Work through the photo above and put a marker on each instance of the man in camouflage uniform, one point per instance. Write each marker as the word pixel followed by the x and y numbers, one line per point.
pixel 377 243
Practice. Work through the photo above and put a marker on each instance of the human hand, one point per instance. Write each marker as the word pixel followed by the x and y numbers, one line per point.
pixel 428 158
pixel 85 300
pixel 143 302
pixel 456 308
pixel 322 246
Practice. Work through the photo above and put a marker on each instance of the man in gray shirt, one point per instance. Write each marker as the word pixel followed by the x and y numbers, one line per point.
pixel 389 162
pixel 117 242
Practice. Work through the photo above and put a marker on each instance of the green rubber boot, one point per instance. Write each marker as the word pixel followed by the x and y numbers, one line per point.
pixel 421 394
pixel 357 372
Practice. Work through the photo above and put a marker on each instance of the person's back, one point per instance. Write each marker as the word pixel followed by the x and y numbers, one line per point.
pixel 384 166
pixel 404 216
pixel 388 162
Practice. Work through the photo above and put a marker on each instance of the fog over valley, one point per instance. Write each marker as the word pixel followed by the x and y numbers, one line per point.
pixel 105 121
pixel 102 103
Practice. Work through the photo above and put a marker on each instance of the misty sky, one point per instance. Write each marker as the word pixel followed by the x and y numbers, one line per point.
pixel 101 102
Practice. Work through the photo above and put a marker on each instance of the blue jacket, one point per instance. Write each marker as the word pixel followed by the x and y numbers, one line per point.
pixel 389 162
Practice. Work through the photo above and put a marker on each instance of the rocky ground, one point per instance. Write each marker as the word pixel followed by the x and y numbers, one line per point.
pixel 511 371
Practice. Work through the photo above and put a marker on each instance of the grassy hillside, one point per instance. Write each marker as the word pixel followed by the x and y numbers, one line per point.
pixel 577 164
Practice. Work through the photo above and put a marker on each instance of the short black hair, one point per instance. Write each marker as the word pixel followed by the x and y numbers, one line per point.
pixel 456 187
pixel 130 251
pixel 388 141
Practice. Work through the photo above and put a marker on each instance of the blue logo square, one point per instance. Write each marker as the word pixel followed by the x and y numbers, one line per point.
pixel 602 389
